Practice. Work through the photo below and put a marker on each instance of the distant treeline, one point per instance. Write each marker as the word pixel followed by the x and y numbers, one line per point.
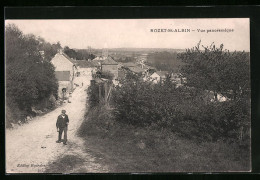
pixel 143 50
pixel 81 54
pixel 165 61
pixel 125 59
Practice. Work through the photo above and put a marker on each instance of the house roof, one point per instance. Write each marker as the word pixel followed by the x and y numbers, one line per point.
pixel 149 67
pixel 129 64
pixel 99 58
pixel 109 60
pixel 105 60
pixel 62 62
pixel 85 64
pixel 62 75
pixel 65 55
pixel 136 69
pixel 60 55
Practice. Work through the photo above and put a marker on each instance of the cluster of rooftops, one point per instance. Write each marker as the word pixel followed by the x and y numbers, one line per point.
pixel 108 60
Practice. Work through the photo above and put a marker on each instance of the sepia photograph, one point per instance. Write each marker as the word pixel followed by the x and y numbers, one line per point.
pixel 127 95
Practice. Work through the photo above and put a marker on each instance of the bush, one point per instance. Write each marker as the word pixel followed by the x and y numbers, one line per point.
pixel 107 75
pixel 14 114
pixel 98 120
pixel 156 149
pixel 93 96
pixel 147 121
pixel 182 110
pixel 220 120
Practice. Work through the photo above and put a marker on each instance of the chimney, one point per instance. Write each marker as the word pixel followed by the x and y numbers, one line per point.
pixel 60 51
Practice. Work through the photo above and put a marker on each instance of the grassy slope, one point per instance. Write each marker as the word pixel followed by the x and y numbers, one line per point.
pixel 130 149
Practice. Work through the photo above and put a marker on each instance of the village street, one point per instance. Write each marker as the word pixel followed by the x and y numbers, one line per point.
pixel 32 147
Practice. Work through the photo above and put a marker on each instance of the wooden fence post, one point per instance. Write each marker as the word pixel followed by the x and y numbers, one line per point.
pixel 108 95
pixel 99 92
pixel 106 91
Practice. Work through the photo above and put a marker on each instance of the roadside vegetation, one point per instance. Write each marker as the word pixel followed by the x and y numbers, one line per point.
pixel 31 85
pixel 149 127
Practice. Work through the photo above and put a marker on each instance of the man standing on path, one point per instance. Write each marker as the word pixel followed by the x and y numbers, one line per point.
pixel 62 125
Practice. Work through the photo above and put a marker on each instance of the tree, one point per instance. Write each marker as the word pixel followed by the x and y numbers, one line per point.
pixel 93 95
pixel 29 78
pixel 70 52
pixel 143 103
pixel 81 54
pixel 49 49
pixel 216 70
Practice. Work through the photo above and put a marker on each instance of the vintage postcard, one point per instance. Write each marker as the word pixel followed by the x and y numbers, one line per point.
pixel 127 95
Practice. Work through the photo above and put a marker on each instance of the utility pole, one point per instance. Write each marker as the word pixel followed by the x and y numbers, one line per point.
pixel 106 91
pixel 99 92
pixel 89 50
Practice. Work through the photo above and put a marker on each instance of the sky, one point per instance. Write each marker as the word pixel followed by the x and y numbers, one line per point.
pixel 136 33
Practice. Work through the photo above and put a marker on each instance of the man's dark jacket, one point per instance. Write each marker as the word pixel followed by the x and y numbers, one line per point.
pixel 62 122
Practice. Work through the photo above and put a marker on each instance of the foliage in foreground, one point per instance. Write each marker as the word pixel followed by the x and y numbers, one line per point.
pixel 187 110
pixel 161 128
pixel 30 79
pixel 181 110
pixel 130 148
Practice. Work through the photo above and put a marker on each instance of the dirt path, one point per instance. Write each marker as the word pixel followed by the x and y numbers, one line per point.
pixel 32 147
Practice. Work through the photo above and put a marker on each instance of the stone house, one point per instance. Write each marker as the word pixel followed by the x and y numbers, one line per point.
pixel 158 76
pixel 110 65
pixel 65 71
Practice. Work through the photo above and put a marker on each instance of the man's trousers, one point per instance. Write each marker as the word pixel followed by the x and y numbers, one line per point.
pixel 61 130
